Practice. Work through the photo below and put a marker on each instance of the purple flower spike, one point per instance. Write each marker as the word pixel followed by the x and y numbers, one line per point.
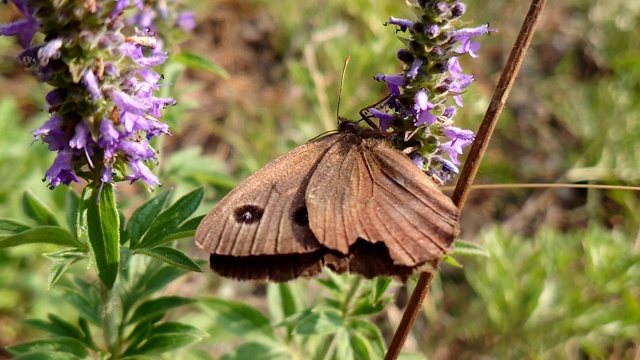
pixel 104 102
pixel 422 102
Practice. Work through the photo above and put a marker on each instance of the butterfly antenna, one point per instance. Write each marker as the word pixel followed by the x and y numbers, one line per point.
pixel 344 71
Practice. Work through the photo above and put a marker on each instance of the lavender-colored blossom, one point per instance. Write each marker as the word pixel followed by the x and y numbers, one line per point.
pixel 90 82
pixel 414 69
pixel 404 24
pixel 459 139
pixel 393 82
pixel 464 37
pixel 186 20
pixel 142 172
pixel 25 28
pixel 422 108
pixel 50 51
pixel 61 172
pixel 384 118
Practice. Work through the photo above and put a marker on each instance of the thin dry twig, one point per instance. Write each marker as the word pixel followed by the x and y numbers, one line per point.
pixel 472 164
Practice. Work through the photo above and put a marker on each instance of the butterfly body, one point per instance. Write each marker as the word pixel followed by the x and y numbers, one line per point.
pixel 348 201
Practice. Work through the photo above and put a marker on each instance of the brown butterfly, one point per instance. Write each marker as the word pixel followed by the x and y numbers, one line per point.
pixel 348 201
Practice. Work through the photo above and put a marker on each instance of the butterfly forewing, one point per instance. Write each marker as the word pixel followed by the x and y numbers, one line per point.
pixel 266 215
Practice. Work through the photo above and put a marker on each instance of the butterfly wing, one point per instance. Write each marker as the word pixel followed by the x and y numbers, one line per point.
pixel 377 194
pixel 260 231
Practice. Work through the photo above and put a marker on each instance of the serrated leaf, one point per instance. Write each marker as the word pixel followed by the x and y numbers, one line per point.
pixel 465 248
pixel 11 227
pixel 143 216
pixel 61 345
pixel 198 62
pixel 171 256
pixel 42 235
pixel 104 234
pixel 238 318
pixel 71 208
pixel 37 211
pixel 320 322
pixel 158 306
pixel 168 222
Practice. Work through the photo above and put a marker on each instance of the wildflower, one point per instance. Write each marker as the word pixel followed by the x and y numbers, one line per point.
pixel 103 108
pixel 423 99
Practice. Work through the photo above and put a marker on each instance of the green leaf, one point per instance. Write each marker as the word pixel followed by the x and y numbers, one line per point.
pixel 139 333
pixel 372 333
pixel 380 286
pixel 84 299
pixel 42 235
pixel 281 300
pixel 61 345
pixel 168 222
pixel 47 355
pixel 10 227
pixel 72 207
pixel 362 349
pixel 158 306
pixel 156 276
pixel 159 344
pixel 104 235
pixel 452 261
pixel 465 248
pixel 198 62
pixel 177 328
pixel 238 318
pixel 37 211
pixel 253 350
pixel 343 345
pixel 167 337
pixel 191 224
pixel 143 216
pixel 320 322
pixel 66 329
pixel 171 256
pixel 61 262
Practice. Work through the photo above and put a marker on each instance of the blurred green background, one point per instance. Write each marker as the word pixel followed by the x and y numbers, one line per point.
pixel 562 275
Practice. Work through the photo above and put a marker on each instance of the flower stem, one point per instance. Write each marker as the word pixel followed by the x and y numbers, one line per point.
pixel 108 317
